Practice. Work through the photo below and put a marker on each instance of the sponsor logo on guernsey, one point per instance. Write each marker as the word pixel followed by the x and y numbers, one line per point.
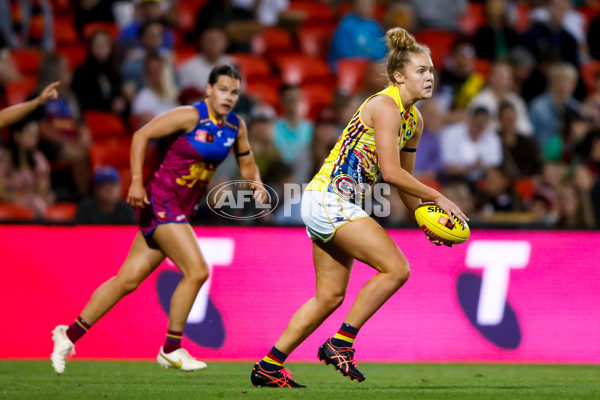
pixel 180 217
pixel 161 214
pixel 229 142
pixel 204 136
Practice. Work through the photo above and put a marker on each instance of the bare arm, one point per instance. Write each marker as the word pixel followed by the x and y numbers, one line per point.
pixel 12 114
pixel 245 159
pixel 383 113
pixel 179 119
pixel 407 162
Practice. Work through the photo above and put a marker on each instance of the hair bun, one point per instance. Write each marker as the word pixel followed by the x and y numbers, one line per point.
pixel 399 39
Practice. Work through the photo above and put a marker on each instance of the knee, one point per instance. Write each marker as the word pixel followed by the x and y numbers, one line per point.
pixel 400 273
pixel 331 301
pixel 198 275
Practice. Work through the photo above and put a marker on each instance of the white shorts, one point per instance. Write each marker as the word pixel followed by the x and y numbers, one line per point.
pixel 324 213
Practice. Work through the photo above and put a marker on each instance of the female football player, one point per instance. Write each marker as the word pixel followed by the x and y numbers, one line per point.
pixel 205 133
pixel 340 229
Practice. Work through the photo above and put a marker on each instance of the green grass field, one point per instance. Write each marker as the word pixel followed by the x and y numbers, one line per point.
pixel 146 380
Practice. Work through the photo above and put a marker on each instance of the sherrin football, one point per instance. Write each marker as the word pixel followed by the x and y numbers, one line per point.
pixel 435 220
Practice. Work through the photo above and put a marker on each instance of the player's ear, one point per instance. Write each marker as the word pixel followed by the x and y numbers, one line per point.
pixel 209 89
pixel 399 77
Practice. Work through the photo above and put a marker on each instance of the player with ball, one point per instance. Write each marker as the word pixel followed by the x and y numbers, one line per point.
pixel 381 137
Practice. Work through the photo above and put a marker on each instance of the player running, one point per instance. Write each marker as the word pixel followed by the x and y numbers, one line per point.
pixel 340 229
pixel 205 134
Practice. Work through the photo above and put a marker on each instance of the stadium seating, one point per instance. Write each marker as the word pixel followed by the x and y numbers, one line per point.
pixel 316 40
pixel 27 60
pixel 272 41
pixel 113 152
pixel 471 20
pixel 75 53
pixel 64 31
pixel 13 212
pixel 18 91
pixel 314 98
pixel 315 12
pixel 301 69
pixel 61 212
pixel 439 42
pixel 104 125
pixel 589 72
pixel 263 91
pixel 186 11
pixel 91 27
pixel 351 72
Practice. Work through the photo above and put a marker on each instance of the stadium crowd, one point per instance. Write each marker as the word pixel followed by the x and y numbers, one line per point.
pixel 512 134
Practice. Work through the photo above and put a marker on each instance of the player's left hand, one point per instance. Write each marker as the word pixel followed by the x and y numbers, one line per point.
pixel 438 241
pixel 260 193
pixel 48 93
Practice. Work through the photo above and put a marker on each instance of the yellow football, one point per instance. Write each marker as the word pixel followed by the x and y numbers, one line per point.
pixel 435 220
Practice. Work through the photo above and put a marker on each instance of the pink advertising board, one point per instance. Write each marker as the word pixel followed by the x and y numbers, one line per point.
pixel 503 296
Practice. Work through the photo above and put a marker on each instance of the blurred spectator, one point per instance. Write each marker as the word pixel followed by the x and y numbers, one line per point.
pixel 428 161
pixel 496 37
pixel 65 136
pixel 326 134
pixel 497 192
pixel 132 67
pixel 521 154
pixel 87 11
pixel 593 34
pixel 469 148
pixel 551 111
pixel 8 69
pixel 549 36
pixel 159 93
pixel 270 12
pixel 277 176
pixel 439 14
pixel 146 10
pixel 189 96
pixel 574 208
pixel 459 82
pixel 96 82
pixel 591 105
pixel 549 41
pixel 375 79
pixel 26 23
pixel 212 44
pixel 573 21
pixel 293 134
pixel 358 34
pixel 106 206
pixel 498 89
pixel 28 181
pixel 261 136
pixel 528 81
pixel 239 24
pixel 400 14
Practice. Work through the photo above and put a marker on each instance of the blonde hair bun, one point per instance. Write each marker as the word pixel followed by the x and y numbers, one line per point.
pixel 399 39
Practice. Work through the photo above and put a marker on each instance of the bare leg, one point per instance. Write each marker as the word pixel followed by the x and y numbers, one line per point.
pixel 140 262
pixel 366 241
pixel 179 243
pixel 332 269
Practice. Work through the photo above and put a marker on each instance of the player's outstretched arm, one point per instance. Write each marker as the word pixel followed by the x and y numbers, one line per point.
pixel 12 114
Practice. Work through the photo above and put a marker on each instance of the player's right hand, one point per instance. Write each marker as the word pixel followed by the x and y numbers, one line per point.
pixel 137 197
pixel 450 208
pixel 48 93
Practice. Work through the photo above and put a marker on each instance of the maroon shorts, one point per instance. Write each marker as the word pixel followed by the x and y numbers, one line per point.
pixel 160 211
